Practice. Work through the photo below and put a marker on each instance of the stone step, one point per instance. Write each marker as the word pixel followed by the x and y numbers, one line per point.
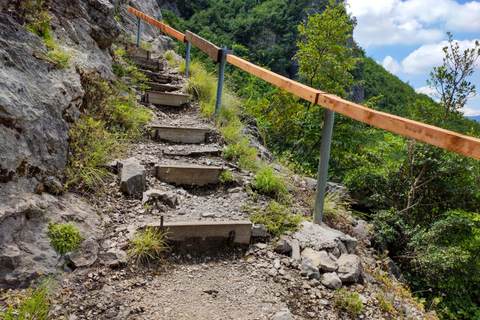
pixel 166 98
pixel 179 134
pixel 202 236
pixel 188 174
pixel 149 64
pixel 162 87
pixel 161 78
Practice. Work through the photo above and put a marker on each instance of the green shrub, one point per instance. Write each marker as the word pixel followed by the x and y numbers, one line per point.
pixel 277 219
pixel 64 237
pixel 269 183
pixel 58 57
pixel 348 301
pixel 147 245
pixel 227 176
pixel 33 304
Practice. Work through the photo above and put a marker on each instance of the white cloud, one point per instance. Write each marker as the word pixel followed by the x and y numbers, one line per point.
pixel 426 90
pixel 390 22
pixel 430 55
pixel 391 65
pixel 470 112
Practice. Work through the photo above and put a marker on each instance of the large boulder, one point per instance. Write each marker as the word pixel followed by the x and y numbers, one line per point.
pixel 349 268
pixel 25 249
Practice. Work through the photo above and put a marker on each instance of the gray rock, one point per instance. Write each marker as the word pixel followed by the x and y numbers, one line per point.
pixel 351 244
pixel 259 231
pixel 349 268
pixel 167 197
pixel 284 245
pixel 363 230
pixel 311 254
pixel 318 237
pixel 308 269
pixel 113 258
pixel 326 264
pixel 25 249
pixel 133 177
pixel 296 251
pixel 331 281
pixel 282 315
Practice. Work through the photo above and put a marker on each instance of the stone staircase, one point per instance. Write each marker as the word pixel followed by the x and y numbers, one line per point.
pixel 186 156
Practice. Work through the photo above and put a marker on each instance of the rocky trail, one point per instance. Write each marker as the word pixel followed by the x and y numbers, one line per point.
pixel 294 277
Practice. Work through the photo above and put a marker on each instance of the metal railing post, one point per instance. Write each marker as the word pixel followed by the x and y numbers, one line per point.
pixel 323 166
pixel 221 73
pixel 187 63
pixel 139 33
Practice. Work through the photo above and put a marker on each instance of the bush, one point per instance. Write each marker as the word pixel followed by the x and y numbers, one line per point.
pixel 227 176
pixel 277 219
pixel 147 245
pixel 348 301
pixel 64 237
pixel 269 183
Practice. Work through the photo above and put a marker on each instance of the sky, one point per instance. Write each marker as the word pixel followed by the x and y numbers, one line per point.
pixel 407 37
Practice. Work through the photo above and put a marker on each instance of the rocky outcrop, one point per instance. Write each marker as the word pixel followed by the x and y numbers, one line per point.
pixel 25 249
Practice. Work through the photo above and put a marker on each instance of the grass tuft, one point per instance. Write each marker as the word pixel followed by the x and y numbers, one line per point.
pixel 227 176
pixel 348 301
pixel 202 85
pixel 270 184
pixel 147 245
pixel 31 304
pixel 277 219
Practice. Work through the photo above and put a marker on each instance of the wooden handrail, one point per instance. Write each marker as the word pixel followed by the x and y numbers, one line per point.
pixel 168 30
pixel 439 137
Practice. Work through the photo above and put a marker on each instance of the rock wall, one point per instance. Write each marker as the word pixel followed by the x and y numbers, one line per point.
pixel 38 105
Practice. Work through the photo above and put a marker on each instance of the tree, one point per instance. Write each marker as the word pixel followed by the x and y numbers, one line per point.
pixel 449 80
pixel 325 50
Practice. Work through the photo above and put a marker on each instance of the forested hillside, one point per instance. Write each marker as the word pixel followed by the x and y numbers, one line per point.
pixel 422 200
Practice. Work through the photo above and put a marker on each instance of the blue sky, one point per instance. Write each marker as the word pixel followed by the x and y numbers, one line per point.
pixel 407 37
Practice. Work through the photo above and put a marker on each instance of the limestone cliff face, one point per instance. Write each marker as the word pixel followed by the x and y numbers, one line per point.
pixel 37 102
pixel 38 105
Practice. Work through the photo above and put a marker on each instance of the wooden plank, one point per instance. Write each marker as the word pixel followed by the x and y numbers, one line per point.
pixel 439 137
pixel 180 134
pixel 189 175
pixel 168 30
pixel 289 85
pixel 150 64
pixel 239 231
pixel 209 48
pixel 166 99
pixel 137 52
pixel 162 87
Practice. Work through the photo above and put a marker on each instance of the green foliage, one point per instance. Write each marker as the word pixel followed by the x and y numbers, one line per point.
pixel 201 84
pixel 33 304
pixel 58 57
pixel 227 176
pixel 277 219
pixel 323 53
pixel 64 237
pixel 449 79
pixel 103 131
pixel 148 244
pixel 242 152
pixel 34 14
pixel 269 183
pixel 348 301
pixel 447 260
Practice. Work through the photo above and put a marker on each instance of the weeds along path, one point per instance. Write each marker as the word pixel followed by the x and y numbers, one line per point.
pixel 242 283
